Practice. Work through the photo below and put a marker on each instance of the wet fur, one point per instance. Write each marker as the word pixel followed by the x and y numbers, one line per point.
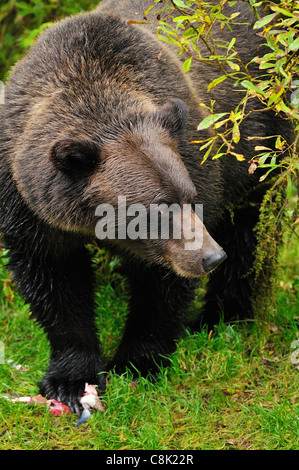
pixel 95 79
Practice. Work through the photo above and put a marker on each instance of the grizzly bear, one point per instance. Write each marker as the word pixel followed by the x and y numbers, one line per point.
pixel 101 109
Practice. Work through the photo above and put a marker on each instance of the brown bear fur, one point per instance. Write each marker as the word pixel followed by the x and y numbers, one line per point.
pixel 100 109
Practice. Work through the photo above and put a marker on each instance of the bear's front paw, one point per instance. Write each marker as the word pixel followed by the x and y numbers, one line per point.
pixel 67 391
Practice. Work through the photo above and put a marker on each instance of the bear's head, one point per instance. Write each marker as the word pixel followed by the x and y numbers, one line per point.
pixel 125 182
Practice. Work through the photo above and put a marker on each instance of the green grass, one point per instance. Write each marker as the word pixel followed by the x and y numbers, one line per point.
pixel 21 23
pixel 233 389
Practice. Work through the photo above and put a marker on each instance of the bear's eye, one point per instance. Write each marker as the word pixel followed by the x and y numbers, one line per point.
pixel 75 157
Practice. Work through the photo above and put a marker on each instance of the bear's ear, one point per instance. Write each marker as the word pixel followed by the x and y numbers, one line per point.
pixel 173 115
pixel 74 157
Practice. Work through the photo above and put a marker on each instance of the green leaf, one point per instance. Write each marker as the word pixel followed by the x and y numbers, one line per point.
pixel 208 121
pixel 233 65
pixel 204 146
pixel 262 178
pixel 266 65
pixel 231 44
pixel 294 46
pixel 179 3
pixel 239 156
pixel 181 18
pixel 279 144
pixel 263 158
pixel 234 15
pixel 168 40
pixel 147 11
pixel 236 132
pixel 261 147
pixel 218 155
pixel 265 20
pixel 221 123
pixel 282 11
pixel 215 82
pixel 187 64
pixel 207 153
pixel 275 95
pixel 250 86
pixel 189 33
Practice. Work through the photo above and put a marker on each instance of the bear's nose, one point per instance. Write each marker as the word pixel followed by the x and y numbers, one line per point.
pixel 213 261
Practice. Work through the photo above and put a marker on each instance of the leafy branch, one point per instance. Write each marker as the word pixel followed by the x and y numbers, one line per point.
pixel 186 24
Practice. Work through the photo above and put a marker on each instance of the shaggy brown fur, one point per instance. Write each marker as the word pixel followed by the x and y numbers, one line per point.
pixel 100 109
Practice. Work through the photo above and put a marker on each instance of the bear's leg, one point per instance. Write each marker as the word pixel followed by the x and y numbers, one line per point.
pixel 158 308
pixel 60 293
pixel 230 286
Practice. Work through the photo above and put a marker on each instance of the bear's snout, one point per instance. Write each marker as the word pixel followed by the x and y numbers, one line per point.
pixel 214 260
pixel 194 263
pixel 199 257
